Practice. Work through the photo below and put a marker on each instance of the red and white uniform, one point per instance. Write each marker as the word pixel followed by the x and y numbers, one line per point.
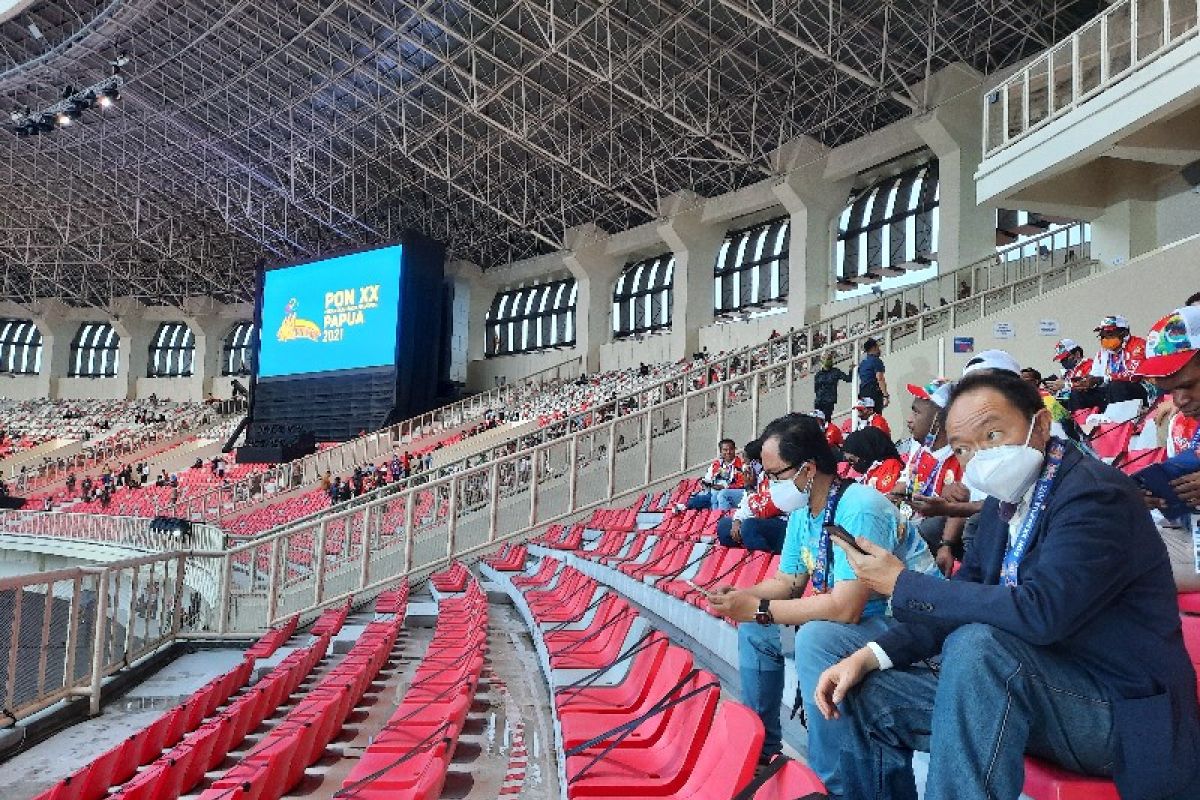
pixel 857 423
pixel 1081 370
pixel 1180 434
pixel 883 475
pixel 758 503
pixel 726 474
pixel 940 466
pixel 1120 364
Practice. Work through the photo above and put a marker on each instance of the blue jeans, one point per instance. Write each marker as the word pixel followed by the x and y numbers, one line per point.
pixel 996 698
pixel 728 499
pixel 819 645
pixel 764 534
pixel 701 500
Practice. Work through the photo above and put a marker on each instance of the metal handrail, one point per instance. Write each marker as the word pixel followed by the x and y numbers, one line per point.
pixel 1101 53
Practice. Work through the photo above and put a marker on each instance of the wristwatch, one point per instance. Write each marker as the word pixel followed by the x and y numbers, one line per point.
pixel 764 615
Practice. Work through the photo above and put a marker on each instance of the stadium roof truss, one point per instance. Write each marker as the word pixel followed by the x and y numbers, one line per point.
pixel 263 129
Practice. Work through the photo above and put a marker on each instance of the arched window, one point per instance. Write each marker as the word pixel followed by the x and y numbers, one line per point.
pixel 642 296
pixel 235 352
pixel 171 351
pixel 752 267
pixel 889 228
pixel 20 347
pixel 531 318
pixel 94 351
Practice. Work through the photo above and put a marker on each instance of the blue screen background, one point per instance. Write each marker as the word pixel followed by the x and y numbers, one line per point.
pixel 311 346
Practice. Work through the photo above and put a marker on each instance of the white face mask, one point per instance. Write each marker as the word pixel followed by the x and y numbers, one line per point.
pixel 788 497
pixel 1006 472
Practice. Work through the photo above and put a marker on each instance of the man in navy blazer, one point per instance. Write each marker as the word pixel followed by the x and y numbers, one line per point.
pixel 1059 636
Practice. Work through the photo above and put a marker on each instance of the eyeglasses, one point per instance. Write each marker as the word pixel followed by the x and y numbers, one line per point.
pixel 777 474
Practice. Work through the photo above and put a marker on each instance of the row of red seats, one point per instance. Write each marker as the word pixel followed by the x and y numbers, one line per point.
pixel 511 558
pixel 614 519
pixel 660 732
pixel 702 522
pixel 453 580
pixel 409 758
pixel 559 537
pixel 178 770
pixel 92 781
pixel 277 763
pixel 393 601
pixel 331 621
pixel 273 639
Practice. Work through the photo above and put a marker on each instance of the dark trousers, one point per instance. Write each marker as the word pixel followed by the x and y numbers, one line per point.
pixel 758 533
pixel 826 408
pixel 873 391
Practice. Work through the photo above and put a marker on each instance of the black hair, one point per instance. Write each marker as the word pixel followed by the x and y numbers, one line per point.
pixel 729 442
pixel 1036 374
pixel 1016 390
pixel 802 438
pixel 870 344
pixel 1193 299
pixel 753 450
pixel 871 445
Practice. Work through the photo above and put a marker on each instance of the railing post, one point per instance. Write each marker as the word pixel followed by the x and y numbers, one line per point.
pixel 1004 111
pixel 789 393
pixel 72 632
pixel 534 457
pixel 649 433
pixel 177 611
pixel 612 458
pixel 1104 67
pixel 452 517
pixel 364 571
pixel 47 615
pixel 319 564
pixel 98 641
pixel 1133 33
pixel 410 503
pixel 754 402
pixel 720 389
pixel 226 580
pixel 494 500
pixel 272 578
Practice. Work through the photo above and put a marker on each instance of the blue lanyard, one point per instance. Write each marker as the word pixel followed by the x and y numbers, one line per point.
pixel 1195 443
pixel 927 489
pixel 1015 554
pixel 824 557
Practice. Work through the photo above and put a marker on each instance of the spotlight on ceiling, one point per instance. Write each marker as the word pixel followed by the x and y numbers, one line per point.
pixel 63 119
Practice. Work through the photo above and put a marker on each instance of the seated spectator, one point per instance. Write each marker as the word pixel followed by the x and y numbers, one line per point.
pixel 804 484
pixel 833 434
pixel 1114 369
pixel 873 456
pixel 756 524
pixel 865 416
pixel 1060 634
pixel 931 463
pixel 725 472
pixel 1076 369
pixel 1173 362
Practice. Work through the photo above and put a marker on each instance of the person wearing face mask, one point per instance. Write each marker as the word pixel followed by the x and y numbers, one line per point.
pixel 1071 388
pixel 866 416
pixel 804 484
pixel 1059 636
pixel 873 456
pixel 1114 369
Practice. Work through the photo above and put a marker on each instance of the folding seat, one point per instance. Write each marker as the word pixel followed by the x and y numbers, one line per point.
pixel 656 771
pixel 630 692
pixel 202 743
pixel 727 761
pixel 420 776
pixel 69 788
pixel 610 607
pixel 145 785
pixel 96 778
pixel 580 726
pixel 192 712
pixel 707 574
pixel 1045 781
pixel 794 782
pixel 1189 602
pixel 126 763
pixel 152 738
pixel 602 649
pixel 668 561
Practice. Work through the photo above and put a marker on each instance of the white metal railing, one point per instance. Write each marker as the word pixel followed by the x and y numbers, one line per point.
pixel 1047 252
pixel 63 632
pixel 662 434
pixel 111 529
pixel 306 471
pixel 1125 37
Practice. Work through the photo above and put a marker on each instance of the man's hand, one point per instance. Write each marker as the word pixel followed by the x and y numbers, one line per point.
pixel 956 493
pixel 1152 502
pixel 738 606
pixel 1163 412
pixel 837 681
pixel 945 559
pixel 1188 489
pixel 879 569
pixel 934 506
pixel 1054 385
pixel 735 531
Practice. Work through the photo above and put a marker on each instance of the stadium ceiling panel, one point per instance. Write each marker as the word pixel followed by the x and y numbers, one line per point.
pixel 252 130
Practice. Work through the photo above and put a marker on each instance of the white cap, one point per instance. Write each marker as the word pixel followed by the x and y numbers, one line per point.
pixel 992 359
pixel 818 413
pixel 865 402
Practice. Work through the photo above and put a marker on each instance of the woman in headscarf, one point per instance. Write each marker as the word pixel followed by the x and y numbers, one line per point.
pixel 874 456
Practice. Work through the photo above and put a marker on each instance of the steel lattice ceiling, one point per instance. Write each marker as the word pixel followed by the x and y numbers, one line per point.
pixel 261 129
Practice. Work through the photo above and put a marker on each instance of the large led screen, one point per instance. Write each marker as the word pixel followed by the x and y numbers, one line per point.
pixel 337 314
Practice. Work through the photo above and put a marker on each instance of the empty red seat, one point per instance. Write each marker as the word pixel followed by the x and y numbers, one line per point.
pixel 792 782
pixel 1045 781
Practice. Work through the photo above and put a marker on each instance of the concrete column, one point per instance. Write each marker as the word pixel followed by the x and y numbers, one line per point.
pixel 814 203
pixel 210 327
pixel 695 245
pixel 129 320
pixel 953 131
pixel 57 329
pixel 596 274
pixel 474 292
pixel 1124 231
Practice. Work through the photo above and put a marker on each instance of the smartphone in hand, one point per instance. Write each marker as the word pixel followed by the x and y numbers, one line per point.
pixel 837 531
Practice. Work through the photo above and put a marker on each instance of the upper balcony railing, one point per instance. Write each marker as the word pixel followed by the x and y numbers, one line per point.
pixel 1128 35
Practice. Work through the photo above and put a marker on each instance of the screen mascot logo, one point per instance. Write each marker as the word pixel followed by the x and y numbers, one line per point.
pixel 294 327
